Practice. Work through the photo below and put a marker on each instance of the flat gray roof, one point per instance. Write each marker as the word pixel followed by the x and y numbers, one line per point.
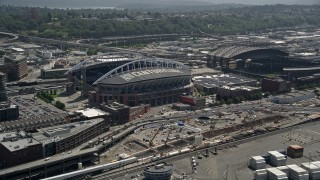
pixel 56 133
pixel 221 80
pixel 19 144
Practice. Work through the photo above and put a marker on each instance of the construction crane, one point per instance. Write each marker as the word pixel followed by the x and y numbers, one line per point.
pixel 165 142
pixel 154 136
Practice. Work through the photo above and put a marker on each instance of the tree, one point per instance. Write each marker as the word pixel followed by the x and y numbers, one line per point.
pixel 60 105
pixel 2 52
pixel 222 101
pixel 49 17
pixel 237 100
pixel 91 52
pixel 266 95
pixel 229 100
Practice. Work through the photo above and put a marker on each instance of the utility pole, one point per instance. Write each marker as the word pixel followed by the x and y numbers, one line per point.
pixel 227 171
pixel 309 158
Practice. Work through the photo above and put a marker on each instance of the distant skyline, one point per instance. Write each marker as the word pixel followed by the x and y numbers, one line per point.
pixel 123 3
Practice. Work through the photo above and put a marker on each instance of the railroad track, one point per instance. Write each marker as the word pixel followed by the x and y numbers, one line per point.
pixel 122 171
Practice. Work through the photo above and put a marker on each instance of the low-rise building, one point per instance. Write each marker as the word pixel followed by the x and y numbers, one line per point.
pixel 15 66
pixel 18 148
pixel 292 98
pixel 92 113
pixel 275 85
pixel 199 102
pixel 159 172
pixel 119 113
pixel 8 111
pixel 307 80
pixel 53 73
pixel 209 84
pixel 65 137
pixel 61 64
pixel 244 91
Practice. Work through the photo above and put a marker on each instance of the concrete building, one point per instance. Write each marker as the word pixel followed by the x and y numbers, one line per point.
pixel 54 73
pixel 91 113
pixel 64 137
pixel 119 113
pixel 292 98
pixel 209 84
pixel 8 112
pixel 45 54
pixel 314 79
pixel 159 172
pixel 138 111
pixel 61 64
pixel 275 85
pixel 15 66
pixel 18 148
pixel 244 91
pixel 3 85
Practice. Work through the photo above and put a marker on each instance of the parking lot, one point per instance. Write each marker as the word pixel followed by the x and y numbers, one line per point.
pixel 33 113
pixel 31 107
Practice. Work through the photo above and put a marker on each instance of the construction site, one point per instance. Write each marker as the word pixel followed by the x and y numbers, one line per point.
pixel 216 127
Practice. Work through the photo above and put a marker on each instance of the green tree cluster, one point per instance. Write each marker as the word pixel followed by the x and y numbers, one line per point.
pixel 236 100
pixel 46 96
pixel 60 105
pixel 2 52
pixel 68 24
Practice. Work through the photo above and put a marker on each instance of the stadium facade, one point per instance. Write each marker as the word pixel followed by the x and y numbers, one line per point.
pixel 145 81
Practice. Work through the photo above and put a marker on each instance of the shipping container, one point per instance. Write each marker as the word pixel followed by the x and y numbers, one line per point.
pixel 257 162
pixel 297 173
pixel 314 171
pixel 284 169
pixel 276 174
pixel 295 151
pixel 277 159
pixel 260 174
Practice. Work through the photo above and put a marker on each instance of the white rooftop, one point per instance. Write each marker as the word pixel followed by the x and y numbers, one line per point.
pixel 92 112
pixel 18 49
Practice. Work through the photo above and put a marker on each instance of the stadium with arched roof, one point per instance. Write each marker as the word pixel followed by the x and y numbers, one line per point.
pixel 85 73
pixel 144 81
pixel 249 57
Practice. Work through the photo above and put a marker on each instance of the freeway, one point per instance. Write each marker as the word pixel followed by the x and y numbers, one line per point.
pixel 71 44
pixel 13 36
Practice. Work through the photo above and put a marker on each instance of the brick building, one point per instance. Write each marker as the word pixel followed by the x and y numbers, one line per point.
pixel 15 66
pixel 17 148
pixel 65 137
pixel 275 85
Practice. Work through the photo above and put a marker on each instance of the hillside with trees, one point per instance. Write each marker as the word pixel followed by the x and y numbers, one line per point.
pixel 88 23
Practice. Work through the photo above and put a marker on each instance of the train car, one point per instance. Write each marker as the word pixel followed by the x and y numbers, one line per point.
pixel 185 150
pixel 172 153
pixel 103 167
